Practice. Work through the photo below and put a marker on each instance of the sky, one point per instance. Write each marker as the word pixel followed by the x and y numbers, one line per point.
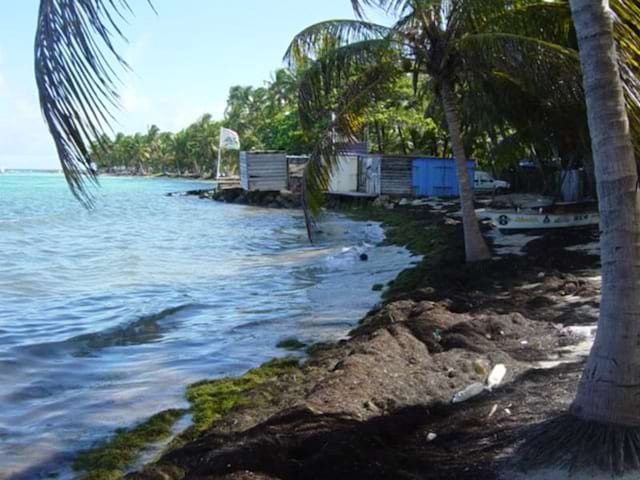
pixel 184 61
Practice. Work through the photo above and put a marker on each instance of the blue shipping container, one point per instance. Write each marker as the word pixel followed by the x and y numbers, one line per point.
pixel 436 177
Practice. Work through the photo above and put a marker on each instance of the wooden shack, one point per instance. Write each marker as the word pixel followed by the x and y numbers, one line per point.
pixel 265 171
pixel 372 175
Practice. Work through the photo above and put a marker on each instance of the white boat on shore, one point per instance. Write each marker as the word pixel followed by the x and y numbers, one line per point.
pixel 554 217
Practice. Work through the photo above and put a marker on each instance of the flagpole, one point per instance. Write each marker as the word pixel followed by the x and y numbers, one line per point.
pixel 219 155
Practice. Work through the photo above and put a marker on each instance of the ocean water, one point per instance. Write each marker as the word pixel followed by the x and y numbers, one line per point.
pixel 106 315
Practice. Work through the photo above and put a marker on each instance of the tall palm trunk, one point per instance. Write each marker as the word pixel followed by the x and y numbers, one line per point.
pixel 475 247
pixel 609 391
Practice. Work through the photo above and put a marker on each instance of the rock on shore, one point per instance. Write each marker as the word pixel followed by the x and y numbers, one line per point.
pixel 256 198
pixel 378 405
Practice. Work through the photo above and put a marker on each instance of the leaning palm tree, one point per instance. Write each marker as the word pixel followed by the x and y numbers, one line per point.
pixel 603 427
pixel 447 45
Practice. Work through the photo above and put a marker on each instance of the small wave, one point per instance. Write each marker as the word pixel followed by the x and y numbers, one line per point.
pixel 252 325
pixel 146 329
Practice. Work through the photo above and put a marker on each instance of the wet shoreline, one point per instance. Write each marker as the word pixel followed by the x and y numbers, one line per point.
pixel 435 334
pixel 118 332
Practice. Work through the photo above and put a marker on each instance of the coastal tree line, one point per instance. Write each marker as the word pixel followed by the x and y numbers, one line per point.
pixel 404 116
pixel 265 118
pixel 515 70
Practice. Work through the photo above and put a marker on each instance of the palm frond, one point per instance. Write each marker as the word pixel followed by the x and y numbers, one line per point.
pixel 548 21
pixel 627 30
pixel 322 84
pixel 76 81
pixel 332 34
pixel 396 7
pixel 545 69
pixel 333 93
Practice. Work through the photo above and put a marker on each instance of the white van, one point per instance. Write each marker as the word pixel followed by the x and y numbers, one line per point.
pixel 483 182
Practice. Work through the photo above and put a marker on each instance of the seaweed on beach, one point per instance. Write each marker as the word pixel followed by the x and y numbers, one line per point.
pixel 109 459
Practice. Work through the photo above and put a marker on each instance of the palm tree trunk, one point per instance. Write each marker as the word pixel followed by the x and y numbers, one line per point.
pixel 609 391
pixel 475 247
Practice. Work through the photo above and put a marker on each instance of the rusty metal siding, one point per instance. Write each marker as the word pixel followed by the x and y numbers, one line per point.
pixel 396 175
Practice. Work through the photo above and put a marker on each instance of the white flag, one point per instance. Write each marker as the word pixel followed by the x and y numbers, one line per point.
pixel 229 139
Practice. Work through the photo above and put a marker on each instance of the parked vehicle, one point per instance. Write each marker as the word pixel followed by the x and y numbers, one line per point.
pixel 483 182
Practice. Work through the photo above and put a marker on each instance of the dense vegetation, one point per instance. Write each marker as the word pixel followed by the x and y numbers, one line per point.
pixel 265 118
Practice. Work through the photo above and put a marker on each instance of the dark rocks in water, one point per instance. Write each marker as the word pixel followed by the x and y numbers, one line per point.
pixel 202 193
pixel 364 257
pixel 257 198
pixel 291 343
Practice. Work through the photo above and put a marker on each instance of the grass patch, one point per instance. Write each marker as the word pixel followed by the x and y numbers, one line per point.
pixel 212 399
pixel 108 460
pixel 291 343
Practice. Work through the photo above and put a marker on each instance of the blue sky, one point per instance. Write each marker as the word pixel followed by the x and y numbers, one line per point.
pixel 184 61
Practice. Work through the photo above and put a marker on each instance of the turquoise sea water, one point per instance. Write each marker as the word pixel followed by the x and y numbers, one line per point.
pixel 105 316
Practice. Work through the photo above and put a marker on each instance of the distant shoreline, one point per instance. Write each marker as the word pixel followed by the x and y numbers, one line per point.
pixel 187 176
pixel 102 173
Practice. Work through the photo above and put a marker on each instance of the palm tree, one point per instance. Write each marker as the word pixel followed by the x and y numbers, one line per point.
pixel 604 421
pixel 445 45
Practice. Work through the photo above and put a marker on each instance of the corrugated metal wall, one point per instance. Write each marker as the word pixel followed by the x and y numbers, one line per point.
pixel 266 171
pixel 437 177
pixel 395 175
pixel 244 172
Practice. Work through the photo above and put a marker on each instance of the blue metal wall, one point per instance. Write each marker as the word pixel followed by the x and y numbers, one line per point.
pixel 436 177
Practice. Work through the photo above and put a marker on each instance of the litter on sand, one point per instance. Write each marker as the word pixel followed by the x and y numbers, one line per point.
pixel 494 379
pixel 496 376
pixel 470 391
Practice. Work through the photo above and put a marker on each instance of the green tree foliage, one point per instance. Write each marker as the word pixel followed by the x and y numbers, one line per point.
pixel 264 117
pixel 76 75
pixel 267 118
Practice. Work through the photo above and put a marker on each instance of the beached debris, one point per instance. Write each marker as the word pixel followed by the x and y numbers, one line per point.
pixel 495 379
pixel 469 392
pixel 496 376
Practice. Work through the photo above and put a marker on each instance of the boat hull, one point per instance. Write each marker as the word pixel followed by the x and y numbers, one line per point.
pixel 515 222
